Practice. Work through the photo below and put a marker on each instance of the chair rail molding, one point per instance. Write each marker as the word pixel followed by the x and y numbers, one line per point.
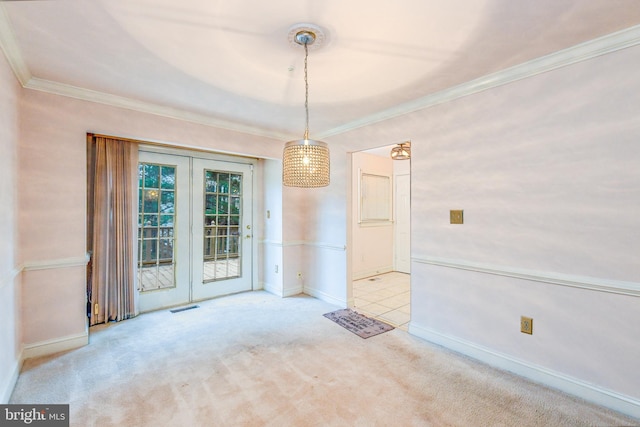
pixel 56 263
pixel 591 283
pixel 289 243
pixel 9 277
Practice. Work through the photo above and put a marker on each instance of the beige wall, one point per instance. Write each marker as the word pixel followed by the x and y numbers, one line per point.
pixel 9 259
pixel 546 170
pixel 53 197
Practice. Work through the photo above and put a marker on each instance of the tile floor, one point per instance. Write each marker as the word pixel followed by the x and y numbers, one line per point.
pixel 385 297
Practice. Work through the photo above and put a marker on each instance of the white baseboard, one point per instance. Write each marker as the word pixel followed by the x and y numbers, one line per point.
pixel 44 348
pixel 289 292
pixel 280 292
pixel 6 389
pixel 589 392
pixel 368 273
pixel 325 297
pixel 272 289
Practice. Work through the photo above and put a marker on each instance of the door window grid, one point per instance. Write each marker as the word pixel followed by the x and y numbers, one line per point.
pixel 222 225
pixel 156 222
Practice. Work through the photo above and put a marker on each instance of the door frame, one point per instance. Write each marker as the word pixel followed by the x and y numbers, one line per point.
pixel 404 220
pixel 351 195
pixel 253 214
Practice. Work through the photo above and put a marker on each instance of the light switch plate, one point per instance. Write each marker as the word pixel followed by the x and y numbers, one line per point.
pixel 456 217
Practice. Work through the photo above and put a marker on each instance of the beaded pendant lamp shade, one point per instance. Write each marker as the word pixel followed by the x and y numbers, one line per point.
pixel 305 162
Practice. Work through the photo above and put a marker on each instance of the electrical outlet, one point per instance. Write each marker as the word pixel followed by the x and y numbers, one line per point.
pixel 276 268
pixel 526 325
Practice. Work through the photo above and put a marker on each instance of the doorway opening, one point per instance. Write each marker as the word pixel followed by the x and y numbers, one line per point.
pixel 380 247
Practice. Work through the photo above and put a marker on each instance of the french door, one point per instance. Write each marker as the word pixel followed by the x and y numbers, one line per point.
pixel 194 229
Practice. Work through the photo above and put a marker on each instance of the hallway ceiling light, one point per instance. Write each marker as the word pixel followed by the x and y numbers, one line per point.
pixel 305 161
pixel 402 151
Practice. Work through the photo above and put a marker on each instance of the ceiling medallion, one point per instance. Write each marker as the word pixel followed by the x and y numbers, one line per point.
pixel 319 36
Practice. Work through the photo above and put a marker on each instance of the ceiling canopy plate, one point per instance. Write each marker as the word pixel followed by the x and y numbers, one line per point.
pixel 317 40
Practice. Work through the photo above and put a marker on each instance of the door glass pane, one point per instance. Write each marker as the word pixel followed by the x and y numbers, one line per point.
pixel 222 225
pixel 168 178
pixel 236 181
pixel 156 222
pixel 223 204
pixel 151 175
pixel 234 206
pixel 167 205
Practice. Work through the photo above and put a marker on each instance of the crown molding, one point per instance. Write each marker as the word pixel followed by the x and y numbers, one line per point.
pixel 10 47
pixel 145 107
pixel 582 52
pixel 601 46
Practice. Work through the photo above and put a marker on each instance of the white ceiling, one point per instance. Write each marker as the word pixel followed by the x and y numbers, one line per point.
pixel 230 63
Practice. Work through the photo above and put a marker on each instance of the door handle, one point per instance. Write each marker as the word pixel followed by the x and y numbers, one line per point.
pixel 248 236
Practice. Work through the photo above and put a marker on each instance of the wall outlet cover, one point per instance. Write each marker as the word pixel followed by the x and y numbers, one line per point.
pixel 526 325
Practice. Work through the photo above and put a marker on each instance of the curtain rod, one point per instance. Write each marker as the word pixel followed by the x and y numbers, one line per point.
pixel 171 146
pixel 120 138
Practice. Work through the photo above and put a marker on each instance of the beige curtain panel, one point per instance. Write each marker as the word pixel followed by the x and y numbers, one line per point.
pixel 113 170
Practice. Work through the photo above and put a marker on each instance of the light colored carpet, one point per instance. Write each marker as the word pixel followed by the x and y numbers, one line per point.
pixel 254 359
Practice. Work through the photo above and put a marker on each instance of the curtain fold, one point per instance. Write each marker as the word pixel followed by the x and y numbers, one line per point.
pixel 112 295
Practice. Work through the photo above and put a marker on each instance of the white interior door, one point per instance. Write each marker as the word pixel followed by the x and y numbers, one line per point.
pixel 195 237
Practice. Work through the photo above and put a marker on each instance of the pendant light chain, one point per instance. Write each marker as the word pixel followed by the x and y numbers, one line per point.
pixel 306 89
pixel 306 162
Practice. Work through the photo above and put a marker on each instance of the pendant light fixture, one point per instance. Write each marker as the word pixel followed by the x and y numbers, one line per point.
pixel 401 151
pixel 305 162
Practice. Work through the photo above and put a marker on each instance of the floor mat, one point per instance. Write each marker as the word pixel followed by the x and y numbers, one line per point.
pixel 359 324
